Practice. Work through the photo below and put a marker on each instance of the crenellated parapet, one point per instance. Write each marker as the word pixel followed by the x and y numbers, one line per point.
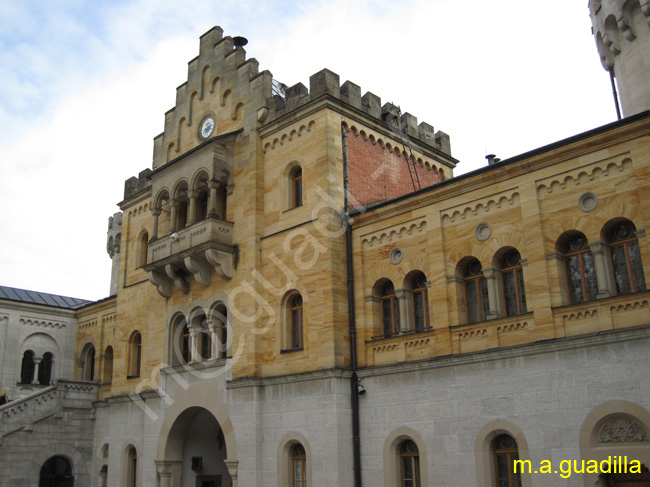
pixel 223 88
pixel 622 32
pixel 326 83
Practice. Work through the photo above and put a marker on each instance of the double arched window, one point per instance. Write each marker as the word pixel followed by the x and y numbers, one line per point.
pixel 404 310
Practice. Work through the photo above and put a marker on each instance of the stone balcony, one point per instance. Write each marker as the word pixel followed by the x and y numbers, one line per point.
pixel 191 251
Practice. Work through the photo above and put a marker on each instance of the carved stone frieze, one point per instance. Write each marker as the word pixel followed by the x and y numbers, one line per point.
pixel 597 171
pixel 622 429
pixel 394 233
pixel 480 206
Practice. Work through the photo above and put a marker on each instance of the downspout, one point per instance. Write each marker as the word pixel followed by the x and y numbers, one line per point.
pixel 618 108
pixel 354 379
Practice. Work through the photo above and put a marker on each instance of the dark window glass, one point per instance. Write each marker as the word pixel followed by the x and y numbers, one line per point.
pixel 513 284
pixel 420 303
pixel 476 292
pixel 505 453
pixel 296 322
pixel 390 310
pixel 185 344
pixel 205 338
pixel 299 459
pixel 297 187
pixel 27 368
pixel 626 259
pixel 410 464
pixel 581 272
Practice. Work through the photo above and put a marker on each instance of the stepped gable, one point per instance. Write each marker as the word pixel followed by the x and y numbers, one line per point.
pixel 326 82
pixel 220 83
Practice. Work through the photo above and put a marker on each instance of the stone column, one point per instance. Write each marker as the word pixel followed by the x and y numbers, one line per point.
pixel 165 470
pixel 233 466
pixel 404 297
pixel 493 293
pixel 156 213
pixel 37 366
pixel 214 351
pixel 602 270
pixel 194 344
pixel 213 184
pixel 172 218
pixel 191 218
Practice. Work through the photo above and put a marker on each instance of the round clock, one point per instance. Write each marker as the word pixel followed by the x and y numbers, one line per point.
pixel 207 127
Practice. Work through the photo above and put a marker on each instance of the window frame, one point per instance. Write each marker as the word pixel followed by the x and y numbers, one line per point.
pixel 615 242
pixel 296 326
pixel 389 299
pixel 477 280
pixel 297 188
pixel 420 289
pixel 514 478
pixel 588 279
pixel 516 271
pixel 413 458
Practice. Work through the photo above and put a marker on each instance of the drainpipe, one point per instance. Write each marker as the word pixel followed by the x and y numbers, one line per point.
pixel 354 379
pixel 618 108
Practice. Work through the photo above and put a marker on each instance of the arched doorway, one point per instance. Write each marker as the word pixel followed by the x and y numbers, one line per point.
pixel 203 451
pixel 56 472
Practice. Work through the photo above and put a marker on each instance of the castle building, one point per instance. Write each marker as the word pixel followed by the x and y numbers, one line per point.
pixel 305 295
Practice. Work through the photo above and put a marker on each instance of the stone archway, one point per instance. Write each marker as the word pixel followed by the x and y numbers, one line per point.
pixel 197 425
pixel 74 458
pixel 56 472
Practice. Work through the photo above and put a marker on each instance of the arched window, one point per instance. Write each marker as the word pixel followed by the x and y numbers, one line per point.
pixel 202 202
pixel 132 467
pixel 476 292
pixel 295 177
pixel 45 369
pixel 409 457
pixel 27 368
pixel 186 341
pixel 581 273
pixel 420 302
pixel 389 310
pixel 296 317
pixel 221 318
pixel 182 203
pixel 222 201
pixel 299 463
pixel 88 363
pixel 205 340
pixel 135 355
pixel 142 249
pixel 56 471
pixel 107 377
pixel 505 451
pixel 513 284
pixel 627 267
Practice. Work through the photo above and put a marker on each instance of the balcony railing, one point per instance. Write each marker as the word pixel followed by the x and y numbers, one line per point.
pixel 191 251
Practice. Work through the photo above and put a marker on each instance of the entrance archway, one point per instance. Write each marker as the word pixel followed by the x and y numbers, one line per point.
pixel 56 472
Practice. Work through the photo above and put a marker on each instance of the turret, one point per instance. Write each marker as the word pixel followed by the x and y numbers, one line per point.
pixel 622 32
pixel 113 242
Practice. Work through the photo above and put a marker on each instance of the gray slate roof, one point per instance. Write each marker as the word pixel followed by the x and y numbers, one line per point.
pixel 34 297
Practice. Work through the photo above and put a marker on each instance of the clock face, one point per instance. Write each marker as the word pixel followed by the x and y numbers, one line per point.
pixel 207 127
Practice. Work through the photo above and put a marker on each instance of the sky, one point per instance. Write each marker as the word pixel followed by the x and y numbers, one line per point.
pixel 84 86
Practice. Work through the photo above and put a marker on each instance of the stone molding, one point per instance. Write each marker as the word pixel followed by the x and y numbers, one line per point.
pixel 394 233
pixel 42 323
pixel 481 206
pixel 617 166
pixel 288 379
pixel 289 135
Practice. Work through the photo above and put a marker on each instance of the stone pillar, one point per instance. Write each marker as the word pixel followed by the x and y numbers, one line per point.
pixel 37 366
pixel 214 335
pixel 172 218
pixel 404 297
pixel 493 293
pixel 194 344
pixel 166 471
pixel 603 276
pixel 191 218
pixel 156 213
pixel 233 466
pixel 213 184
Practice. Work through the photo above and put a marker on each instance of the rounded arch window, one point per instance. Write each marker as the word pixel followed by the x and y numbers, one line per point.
pixel 580 268
pixel 476 292
pixel 409 464
pixel 27 368
pixel 420 300
pixel 389 309
pixel 505 451
pixel 625 254
pixel 56 471
pixel 512 277
pixel 296 320
pixel 295 179
pixel 299 464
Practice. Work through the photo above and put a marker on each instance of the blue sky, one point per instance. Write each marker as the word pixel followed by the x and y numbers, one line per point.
pixel 84 86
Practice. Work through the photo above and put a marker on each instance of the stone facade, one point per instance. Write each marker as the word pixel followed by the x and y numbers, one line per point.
pixel 508 301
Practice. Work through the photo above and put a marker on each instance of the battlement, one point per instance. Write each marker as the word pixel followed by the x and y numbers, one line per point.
pixel 326 82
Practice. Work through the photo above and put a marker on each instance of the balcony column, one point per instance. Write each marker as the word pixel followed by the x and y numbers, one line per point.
pixel 404 299
pixel 37 366
pixel 494 308
pixel 195 356
pixel 156 213
pixel 172 218
pixel 214 337
pixel 191 218
pixel 605 284
pixel 213 184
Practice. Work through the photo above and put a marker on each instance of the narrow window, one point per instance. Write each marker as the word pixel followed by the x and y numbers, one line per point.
pixel 205 338
pixel 45 369
pixel 626 259
pixel 132 468
pixel 222 201
pixel 144 245
pixel 185 344
pixel 181 211
pixel 296 314
pixel 88 372
pixel 420 303
pixel 202 203
pixel 299 460
pixel 135 355
pixel 513 284
pixel 410 464
pixel 389 310
pixel 222 323
pixel 27 368
pixel 505 453
pixel 296 185
pixel 476 292
pixel 108 365
pixel 581 273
